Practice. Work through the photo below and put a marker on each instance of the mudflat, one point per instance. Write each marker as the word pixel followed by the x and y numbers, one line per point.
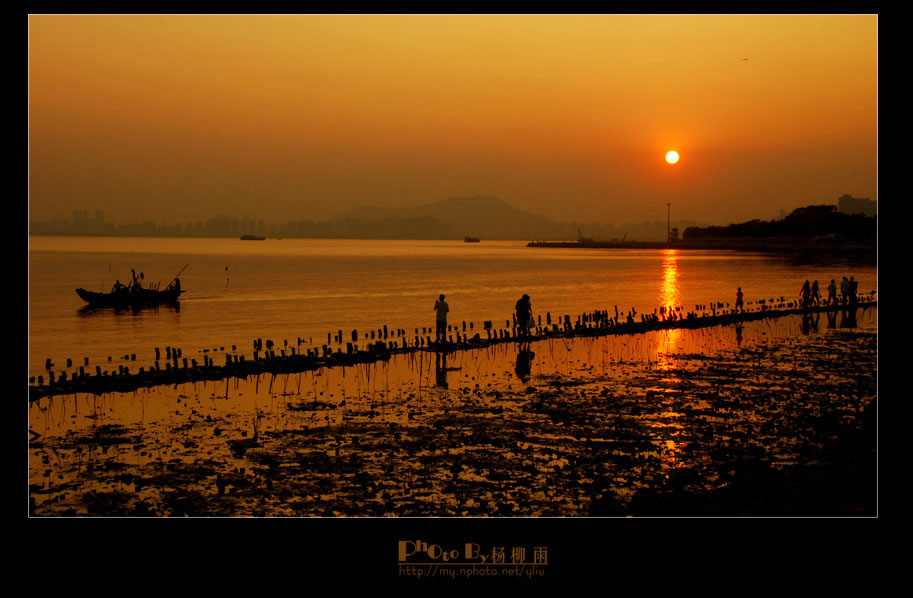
pixel 773 417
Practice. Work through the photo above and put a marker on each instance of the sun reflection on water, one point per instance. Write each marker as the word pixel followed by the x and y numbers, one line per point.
pixel 669 297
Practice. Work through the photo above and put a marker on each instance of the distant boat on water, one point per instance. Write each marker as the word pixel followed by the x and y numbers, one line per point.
pixel 252 238
pixel 470 240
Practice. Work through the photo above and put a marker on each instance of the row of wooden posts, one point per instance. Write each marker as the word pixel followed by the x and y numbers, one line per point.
pixel 598 319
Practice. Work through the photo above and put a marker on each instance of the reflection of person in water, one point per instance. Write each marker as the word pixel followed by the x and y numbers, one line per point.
pixel 831 318
pixel 738 333
pixel 809 323
pixel 524 365
pixel 440 370
pixel 848 318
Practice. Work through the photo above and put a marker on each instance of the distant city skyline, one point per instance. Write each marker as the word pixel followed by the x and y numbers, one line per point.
pixel 82 222
pixel 429 222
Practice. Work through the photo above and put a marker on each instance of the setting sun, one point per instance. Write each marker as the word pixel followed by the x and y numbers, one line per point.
pixel 672 157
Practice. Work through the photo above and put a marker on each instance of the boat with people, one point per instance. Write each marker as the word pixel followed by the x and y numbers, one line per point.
pixel 135 294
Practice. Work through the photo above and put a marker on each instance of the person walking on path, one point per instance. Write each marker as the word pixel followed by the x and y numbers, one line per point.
pixel 805 295
pixel 832 292
pixel 738 300
pixel 816 293
pixel 441 307
pixel 524 311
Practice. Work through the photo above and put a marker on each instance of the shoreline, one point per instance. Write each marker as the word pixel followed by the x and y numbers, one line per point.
pixel 800 247
pixel 763 419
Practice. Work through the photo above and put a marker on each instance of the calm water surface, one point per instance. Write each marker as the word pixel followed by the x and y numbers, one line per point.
pixel 286 289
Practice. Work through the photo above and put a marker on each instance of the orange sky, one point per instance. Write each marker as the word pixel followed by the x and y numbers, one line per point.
pixel 173 118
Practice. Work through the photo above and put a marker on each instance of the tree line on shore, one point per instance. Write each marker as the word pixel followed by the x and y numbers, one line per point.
pixel 810 221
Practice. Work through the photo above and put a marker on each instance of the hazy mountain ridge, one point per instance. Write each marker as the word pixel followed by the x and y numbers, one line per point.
pixel 482 216
pixel 489 217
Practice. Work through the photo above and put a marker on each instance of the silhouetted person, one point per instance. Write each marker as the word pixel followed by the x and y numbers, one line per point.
pixel 135 285
pixel 805 295
pixel 832 293
pixel 175 285
pixel 844 290
pixel 816 293
pixel 524 311
pixel 524 365
pixel 441 307
pixel 118 287
pixel 738 300
pixel 853 287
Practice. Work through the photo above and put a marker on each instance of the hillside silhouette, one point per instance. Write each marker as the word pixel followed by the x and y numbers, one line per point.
pixel 810 221
pixel 485 217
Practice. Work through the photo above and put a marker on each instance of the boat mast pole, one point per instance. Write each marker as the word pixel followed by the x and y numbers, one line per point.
pixel 179 273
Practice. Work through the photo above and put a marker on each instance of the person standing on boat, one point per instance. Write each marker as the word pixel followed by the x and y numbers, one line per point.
pixel 441 307
pixel 135 285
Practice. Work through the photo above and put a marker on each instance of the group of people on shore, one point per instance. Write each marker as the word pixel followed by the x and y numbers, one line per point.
pixel 810 294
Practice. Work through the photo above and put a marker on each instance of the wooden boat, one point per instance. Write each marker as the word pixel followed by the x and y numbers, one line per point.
pixel 252 238
pixel 130 298
pixel 470 240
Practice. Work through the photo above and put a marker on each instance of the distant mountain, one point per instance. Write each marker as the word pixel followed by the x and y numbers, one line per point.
pixel 484 217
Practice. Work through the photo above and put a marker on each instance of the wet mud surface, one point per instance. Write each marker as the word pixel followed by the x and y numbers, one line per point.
pixel 776 417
